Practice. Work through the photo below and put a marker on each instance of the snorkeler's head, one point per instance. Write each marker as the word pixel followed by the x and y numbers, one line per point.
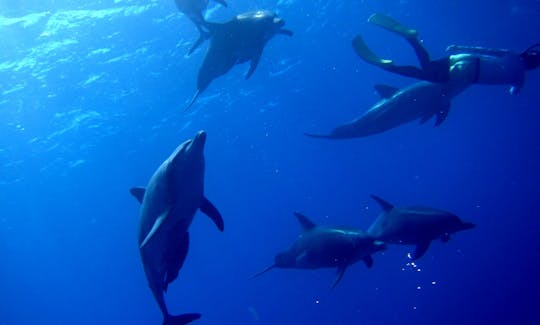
pixel 531 57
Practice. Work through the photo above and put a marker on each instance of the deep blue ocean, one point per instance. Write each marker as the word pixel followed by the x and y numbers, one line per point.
pixel 92 97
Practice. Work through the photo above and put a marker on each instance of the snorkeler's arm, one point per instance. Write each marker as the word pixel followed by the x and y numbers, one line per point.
pixel 514 90
pixel 460 49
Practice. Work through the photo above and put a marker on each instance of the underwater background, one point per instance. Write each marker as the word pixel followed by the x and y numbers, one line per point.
pixel 92 99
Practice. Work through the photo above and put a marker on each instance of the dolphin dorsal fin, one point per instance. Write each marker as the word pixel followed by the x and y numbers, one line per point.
pixel 385 91
pixel 304 221
pixel 138 193
pixel 384 204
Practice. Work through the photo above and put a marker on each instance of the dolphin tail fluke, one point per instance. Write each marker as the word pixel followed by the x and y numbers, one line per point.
pixel 193 99
pixel 181 319
pixel 263 271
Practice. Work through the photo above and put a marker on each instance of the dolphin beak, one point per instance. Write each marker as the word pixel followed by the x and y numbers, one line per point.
pixel 467 225
pixel 198 141
pixel 200 138
pixel 279 21
pixel 263 271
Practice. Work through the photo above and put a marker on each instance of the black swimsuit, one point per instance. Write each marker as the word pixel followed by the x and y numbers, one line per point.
pixel 438 70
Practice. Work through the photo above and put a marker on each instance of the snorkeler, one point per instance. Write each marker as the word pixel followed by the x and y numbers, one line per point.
pixel 465 64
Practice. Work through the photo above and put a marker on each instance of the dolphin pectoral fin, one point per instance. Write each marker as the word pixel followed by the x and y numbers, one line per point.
pixel 441 116
pixel 138 193
pixel 384 204
pixel 263 271
pixel 155 227
pixel 181 319
pixel 339 276
pixel 420 249
pixel 385 91
pixel 286 32
pixel 304 221
pixel 365 53
pixel 210 210
pixel 368 260
pixel 253 65
pixel 203 36
pixel 425 119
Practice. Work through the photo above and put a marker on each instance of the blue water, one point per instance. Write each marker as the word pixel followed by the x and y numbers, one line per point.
pixel 91 102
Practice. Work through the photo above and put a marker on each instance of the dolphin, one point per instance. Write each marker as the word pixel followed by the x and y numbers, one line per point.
pixel 414 226
pixel 168 204
pixel 239 40
pixel 193 9
pixel 421 100
pixel 319 247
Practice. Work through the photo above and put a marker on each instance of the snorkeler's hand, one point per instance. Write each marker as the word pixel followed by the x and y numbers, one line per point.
pixel 452 48
pixel 514 90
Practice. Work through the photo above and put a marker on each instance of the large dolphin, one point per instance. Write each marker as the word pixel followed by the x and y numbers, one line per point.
pixel 169 202
pixel 421 100
pixel 414 226
pixel 240 40
pixel 319 247
pixel 193 9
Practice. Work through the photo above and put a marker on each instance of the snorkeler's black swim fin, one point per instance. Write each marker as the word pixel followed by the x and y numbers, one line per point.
pixel 392 25
pixel 364 52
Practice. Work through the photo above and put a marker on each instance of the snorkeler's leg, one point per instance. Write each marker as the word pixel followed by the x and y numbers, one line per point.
pixel 365 53
pixel 421 52
pixel 407 71
pixel 392 25
pixel 411 35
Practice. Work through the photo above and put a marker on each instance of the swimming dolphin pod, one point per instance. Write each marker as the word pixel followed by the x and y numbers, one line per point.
pixel 237 41
pixel 193 9
pixel 319 247
pixel 168 204
pixel 419 101
pixel 414 226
